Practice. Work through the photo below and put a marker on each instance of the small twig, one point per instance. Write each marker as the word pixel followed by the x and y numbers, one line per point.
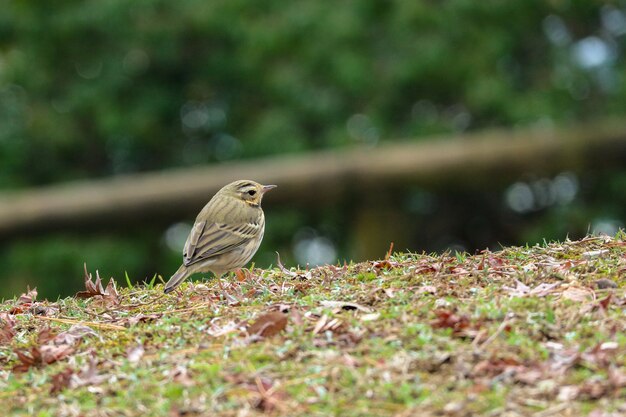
pixel 182 310
pixel 493 337
pixel 139 304
pixel 86 323
pixel 552 410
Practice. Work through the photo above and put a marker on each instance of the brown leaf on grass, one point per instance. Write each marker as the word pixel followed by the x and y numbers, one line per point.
pixel 61 380
pixel 94 289
pixel 89 375
pixel 426 289
pixel 447 319
pixel 384 264
pixel 270 398
pixel 51 347
pixel 268 324
pixel 24 302
pixel 604 303
pixel 580 294
pixel 426 267
pixel 74 334
pixel 265 394
pixel 111 292
pixel 279 264
pixel 38 309
pixel 616 377
pixel 241 275
pixel 7 331
pixel 337 272
pixel 593 389
pixel 490 260
pixel 601 355
pixel 45 335
pixel 218 330
pixel 26 361
pixel 139 318
pixel 39 356
pixel 29 297
pixel 529 376
pixel 345 305
pixel 507 366
pixel 523 290
pixel 326 323
pixel 68 378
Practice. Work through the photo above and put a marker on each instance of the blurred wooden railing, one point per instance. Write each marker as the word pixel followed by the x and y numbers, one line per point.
pixel 484 159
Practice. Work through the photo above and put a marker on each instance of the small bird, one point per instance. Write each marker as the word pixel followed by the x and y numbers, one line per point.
pixel 226 233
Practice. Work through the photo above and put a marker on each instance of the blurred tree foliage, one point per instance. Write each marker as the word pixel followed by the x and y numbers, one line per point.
pixel 97 88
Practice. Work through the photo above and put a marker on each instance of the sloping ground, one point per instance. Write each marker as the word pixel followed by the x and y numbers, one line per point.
pixel 523 331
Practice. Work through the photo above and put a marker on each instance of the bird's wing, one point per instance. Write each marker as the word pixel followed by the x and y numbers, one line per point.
pixel 207 240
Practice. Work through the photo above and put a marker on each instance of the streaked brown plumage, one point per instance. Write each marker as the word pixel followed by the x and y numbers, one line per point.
pixel 226 233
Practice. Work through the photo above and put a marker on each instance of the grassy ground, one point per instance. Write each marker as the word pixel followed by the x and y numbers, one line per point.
pixel 523 331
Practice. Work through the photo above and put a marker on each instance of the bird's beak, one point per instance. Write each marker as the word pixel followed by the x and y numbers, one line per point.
pixel 266 188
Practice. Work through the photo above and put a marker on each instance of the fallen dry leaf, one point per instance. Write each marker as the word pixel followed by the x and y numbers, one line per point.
pixel 29 297
pixel 523 290
pixel 447 319
pixel 241 275
pixel 426 289
pixel 46 335
pixel 73 334
pixel 24 302
pixel 88 375
pixel 580 294
pixel 40 356
pixel 139 318
pixel 61 380
pixel 292 274
pixel 7 330
pixel 217 330
pixel 268 324
pixel 94 289
pixel 604 303
pixel 266 396
pixel 51 347
pixel 326 323
pixel 384 264
pixel 346 305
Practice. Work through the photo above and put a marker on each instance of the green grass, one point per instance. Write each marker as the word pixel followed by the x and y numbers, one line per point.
pixel 450 334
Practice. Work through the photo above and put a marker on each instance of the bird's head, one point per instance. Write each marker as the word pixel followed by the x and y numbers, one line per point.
pixel 250 192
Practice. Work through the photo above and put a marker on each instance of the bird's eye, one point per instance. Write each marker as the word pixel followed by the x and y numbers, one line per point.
pixel 251 193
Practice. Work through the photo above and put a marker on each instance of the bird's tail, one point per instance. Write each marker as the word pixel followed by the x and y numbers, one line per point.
pixel 176 279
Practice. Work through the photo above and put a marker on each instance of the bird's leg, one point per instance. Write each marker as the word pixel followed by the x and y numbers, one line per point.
pixel 219 283
pixel 223 292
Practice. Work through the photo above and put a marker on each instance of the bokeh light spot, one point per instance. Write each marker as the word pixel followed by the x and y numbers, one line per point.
pixel 592 52
pixel 176 236
pixel 311 249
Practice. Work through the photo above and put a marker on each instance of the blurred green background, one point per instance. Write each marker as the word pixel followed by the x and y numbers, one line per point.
pixel 95 89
